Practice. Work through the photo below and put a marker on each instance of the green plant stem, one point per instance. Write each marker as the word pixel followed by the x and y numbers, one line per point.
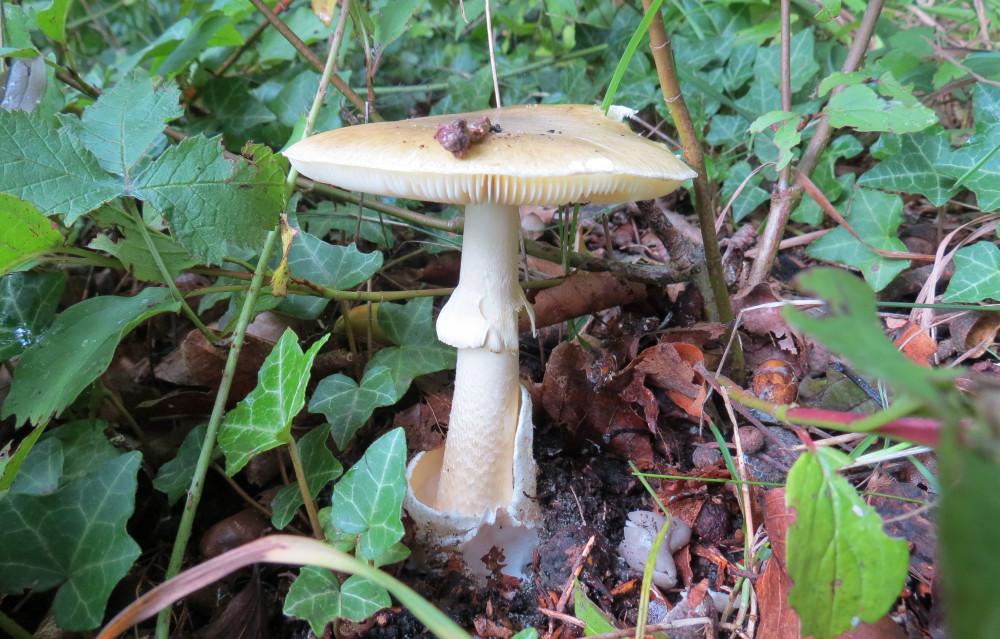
pixel 300 479
pixel 13 628
pixel 235 55
pixel 454 225
pixel 315 60
pixel 133 211
pixel 218 409
pixel 785 201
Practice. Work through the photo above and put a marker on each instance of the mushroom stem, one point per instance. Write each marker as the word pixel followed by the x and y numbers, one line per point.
pixel 477 471
pixel 480 319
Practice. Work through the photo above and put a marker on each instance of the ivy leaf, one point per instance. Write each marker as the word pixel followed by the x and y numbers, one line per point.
pixel 874 216
pixel 317 597
pixel 419 352
pixel 850 328
pixel 751 196
pixel 263 420
pixel 28 304
pixel 977 274
pixel 368 500
pixel 917 167
pixel 844 568
pixel 234 106
pixel 893 108
pixel 319 467
pixel 77 348
pixel 213 204
pixel 50 168
pixel 73 538
pixel 174 476
pixel 976 165
pixel 767 67
pixel 348 405
pixel 125 121
pixel 336 267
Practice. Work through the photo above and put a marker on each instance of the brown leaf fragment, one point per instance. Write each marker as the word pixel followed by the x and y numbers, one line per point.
pixel 696 604
pixel 671 368
pixel 581 293
pixel 917 344
pixel 760 313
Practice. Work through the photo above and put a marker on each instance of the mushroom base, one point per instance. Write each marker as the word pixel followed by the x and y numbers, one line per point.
pixel 512 529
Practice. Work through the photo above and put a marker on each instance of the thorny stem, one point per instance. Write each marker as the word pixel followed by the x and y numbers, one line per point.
pixel 314 59
pixel 784 201
pixel 229 372
pixel 133 211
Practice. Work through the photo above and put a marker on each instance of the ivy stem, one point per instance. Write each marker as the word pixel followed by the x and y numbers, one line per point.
pixel 14 629
pixel 300 479
pixel 133 211
pixel 784 201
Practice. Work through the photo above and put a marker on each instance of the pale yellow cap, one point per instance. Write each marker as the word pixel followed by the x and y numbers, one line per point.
pixel 546 155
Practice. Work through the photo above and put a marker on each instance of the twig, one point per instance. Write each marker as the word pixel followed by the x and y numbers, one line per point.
pixel 784 202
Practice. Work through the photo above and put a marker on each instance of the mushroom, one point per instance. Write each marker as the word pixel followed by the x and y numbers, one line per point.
pixel 480 487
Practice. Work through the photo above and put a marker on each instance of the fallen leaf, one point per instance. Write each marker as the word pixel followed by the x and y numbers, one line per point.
pixel 917 345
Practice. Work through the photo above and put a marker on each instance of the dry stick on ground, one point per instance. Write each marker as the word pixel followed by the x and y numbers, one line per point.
pixel 315 60
pixel 784 202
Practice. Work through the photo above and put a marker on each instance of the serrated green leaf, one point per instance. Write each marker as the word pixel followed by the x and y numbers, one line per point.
pixel 50 168
pixel 174 476
pixel 24 233
pixel 977 274
pixel 263 420
pixel 368 500
pixel 73 538
pixel 875 217
pixel 132 251
pixel 850 328
pixel 844 568
pixel 28 304
pixel 125 121
pixel 76 349
pixel 830 10
pixel 347 405
pixel 596 620
pixel 391 21
pixel 213 204
pixel 319 466
pixel 861 108
pixel 317 597
pixel 917 167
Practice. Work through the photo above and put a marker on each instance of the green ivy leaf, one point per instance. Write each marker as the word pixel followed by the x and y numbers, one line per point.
pixel 125 121
pixel 263 420
pixel 174 476
pixel 844 568
pixel 234 106
pixel 348 405
pixel 751 196
pixel 917 167
pixel 419 352
pixel 875 217
pixel 850 327
pixel 77 348
pixel 319 467
pixel 977 274
pixel 767 67
pixel 368 500
pixel 73 538
pixel 893 108
pixel 213 204
pixel 976 165
pixel 50 168
pixel 317 597
pixel 28 304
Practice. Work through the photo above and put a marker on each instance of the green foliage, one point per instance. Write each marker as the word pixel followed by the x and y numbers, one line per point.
pixel 64 523
pixel 977 274
pixel 25 234
pixel 319 598
pixel 585 610
pixel 844 568
pixel 77 348
pixel 27 307
pixel 319 466
pixel 263 420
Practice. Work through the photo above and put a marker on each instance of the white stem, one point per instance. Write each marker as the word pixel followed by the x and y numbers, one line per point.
pixel 480 320
pixel 477 470
pixel 483 309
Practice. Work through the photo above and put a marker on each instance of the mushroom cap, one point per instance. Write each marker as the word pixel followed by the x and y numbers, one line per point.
pixel 544 154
